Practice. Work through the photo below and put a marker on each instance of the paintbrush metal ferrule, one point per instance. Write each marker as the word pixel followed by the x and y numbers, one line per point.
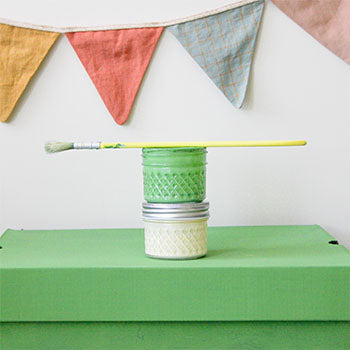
pixel 86 145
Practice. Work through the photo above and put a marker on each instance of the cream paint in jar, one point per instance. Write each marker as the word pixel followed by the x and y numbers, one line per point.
pixel 175 231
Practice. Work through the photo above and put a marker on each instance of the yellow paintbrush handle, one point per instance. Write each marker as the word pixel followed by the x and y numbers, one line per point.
pixel 204 144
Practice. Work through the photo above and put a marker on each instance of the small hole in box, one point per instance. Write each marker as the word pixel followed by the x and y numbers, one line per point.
pixel 333 242
pixel 0 247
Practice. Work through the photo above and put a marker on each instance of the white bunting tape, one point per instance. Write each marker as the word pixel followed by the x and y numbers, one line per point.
pixel 126 26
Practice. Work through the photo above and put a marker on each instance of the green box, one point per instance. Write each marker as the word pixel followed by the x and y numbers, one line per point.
pixel 263 287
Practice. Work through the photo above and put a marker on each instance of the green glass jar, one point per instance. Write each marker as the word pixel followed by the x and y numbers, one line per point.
pixel 174 175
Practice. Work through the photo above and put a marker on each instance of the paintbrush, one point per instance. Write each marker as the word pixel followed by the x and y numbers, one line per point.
pixel 54 147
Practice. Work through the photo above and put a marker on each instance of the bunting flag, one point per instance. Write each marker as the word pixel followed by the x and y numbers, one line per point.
pixel 21 52
pixel 116 61
pixel 223 45
pixel 328 21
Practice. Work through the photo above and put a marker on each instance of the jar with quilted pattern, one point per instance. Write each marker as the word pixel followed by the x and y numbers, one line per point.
pixel 175 231
pixel 174 175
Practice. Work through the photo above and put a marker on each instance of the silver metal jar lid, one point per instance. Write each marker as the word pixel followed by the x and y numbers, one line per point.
pixel 175 211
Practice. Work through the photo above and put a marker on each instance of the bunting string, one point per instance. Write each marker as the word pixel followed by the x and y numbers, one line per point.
pixel 116 57
pixel 70 29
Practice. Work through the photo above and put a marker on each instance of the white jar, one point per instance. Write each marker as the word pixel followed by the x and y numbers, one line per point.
pixel 176 231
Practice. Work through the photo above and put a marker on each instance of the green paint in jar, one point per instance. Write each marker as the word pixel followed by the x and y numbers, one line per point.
pixel 174 175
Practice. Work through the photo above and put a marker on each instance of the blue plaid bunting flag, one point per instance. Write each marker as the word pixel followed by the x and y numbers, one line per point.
pixel 223 45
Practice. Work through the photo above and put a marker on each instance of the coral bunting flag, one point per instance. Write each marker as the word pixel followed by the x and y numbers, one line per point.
pixel 223 45
pixel 21 53
pixel 116 61
pixel 328 21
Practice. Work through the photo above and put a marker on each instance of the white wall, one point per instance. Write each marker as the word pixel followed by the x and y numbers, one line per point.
pixel 297 90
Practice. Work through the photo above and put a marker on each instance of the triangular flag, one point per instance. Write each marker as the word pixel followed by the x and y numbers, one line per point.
pixel 328 21
pixel 21 53
pixel 116 61
pixel 223 45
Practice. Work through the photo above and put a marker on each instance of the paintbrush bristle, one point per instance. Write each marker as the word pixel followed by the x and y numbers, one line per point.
pixel 54 147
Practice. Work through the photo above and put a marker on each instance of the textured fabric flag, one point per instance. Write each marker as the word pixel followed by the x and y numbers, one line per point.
pixel 328 21
pixel 21 53
pixel 223 45
pixel 116 61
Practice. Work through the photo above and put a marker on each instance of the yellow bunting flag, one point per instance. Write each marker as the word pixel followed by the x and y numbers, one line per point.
pixel 21 53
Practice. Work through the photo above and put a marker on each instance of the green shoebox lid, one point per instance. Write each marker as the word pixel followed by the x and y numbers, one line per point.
pixel 250 273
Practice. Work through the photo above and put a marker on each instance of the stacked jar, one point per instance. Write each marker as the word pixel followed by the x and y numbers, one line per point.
pixel 174 213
